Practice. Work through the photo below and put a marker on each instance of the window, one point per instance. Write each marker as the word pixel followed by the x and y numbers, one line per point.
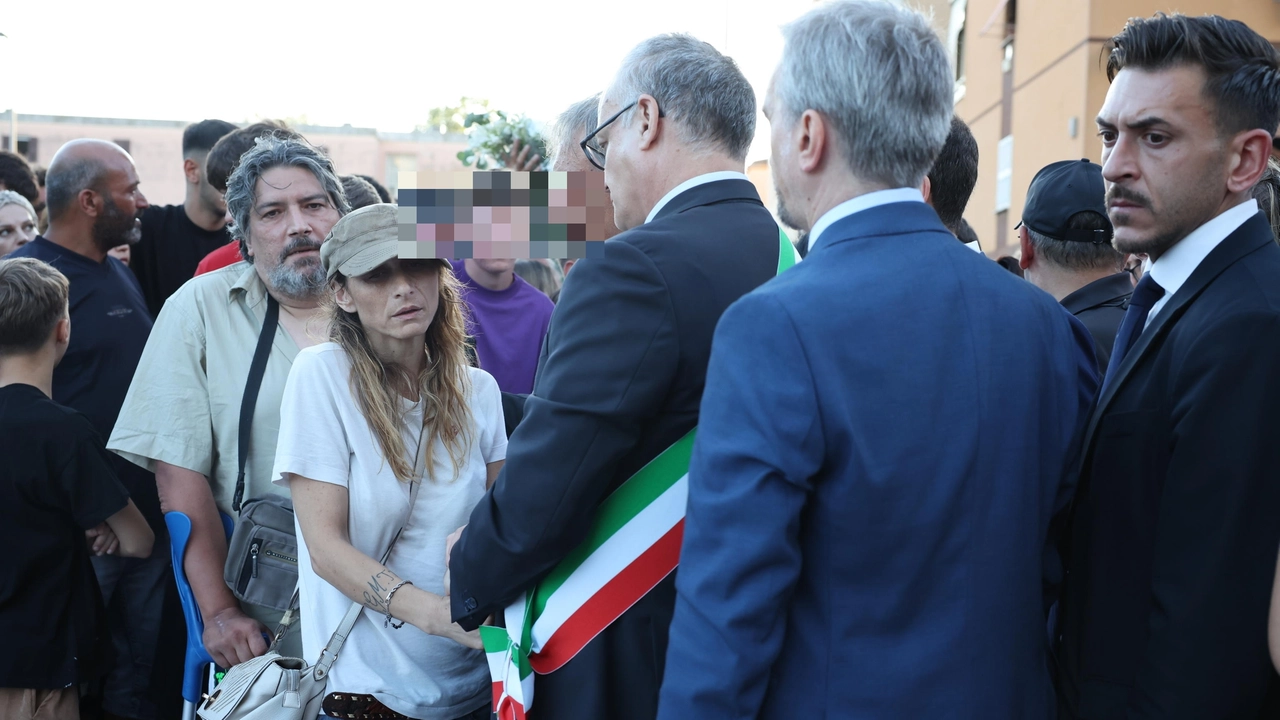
pixel 956 42
pixel 1004 173
pixel 27 147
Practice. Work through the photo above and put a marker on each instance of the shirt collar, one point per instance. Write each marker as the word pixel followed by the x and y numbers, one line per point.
pixel 1176 265
pixel 692 183
pixel 858 204
pixel 250 285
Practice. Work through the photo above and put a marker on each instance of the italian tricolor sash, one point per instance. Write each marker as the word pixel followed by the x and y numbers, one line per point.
pixel 633 544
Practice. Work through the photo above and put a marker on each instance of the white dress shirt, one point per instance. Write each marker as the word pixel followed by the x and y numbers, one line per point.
pixel 858 204
pixel 692 183
pixel 1176 265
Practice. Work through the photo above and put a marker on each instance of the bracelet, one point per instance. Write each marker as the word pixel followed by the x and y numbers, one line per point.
pixel 387 602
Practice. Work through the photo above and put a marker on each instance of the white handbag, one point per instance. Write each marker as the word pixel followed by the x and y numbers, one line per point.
pixel 273 687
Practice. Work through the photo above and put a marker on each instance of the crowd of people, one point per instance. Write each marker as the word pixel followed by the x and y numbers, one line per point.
pixel 710 474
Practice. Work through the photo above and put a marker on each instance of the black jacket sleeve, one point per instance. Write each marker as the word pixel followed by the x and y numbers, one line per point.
pixel 611 357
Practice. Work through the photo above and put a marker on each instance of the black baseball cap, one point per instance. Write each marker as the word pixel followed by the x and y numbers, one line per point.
pixel 1061 190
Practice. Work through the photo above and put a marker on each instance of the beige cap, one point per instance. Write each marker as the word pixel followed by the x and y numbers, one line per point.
pixel 361 241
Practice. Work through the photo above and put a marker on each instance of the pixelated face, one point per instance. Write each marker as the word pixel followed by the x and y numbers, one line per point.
pixel 1164 162
pixel 572 159
pixel 396 300
pixel 290 218
pixel 17 228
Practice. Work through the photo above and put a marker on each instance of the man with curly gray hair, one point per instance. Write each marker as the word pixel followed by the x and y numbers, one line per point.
pixel 182 415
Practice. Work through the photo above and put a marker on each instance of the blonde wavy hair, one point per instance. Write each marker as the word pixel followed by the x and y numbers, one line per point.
pixel 443 384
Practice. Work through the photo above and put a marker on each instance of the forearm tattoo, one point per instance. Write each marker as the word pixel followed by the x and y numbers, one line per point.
pixel 379 585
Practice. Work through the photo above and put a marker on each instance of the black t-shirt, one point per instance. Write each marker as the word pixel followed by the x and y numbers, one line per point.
pixel 169 251
pixel 109 329
pixel 55 483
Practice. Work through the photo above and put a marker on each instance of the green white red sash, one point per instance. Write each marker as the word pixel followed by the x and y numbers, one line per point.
pixel 634 543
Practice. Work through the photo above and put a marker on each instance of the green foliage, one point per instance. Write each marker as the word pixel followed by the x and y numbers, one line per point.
pixel 453 118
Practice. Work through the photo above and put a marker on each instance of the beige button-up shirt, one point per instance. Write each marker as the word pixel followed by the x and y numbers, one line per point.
pixel 183 407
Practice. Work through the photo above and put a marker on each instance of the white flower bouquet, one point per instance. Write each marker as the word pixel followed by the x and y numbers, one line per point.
pixel 491 137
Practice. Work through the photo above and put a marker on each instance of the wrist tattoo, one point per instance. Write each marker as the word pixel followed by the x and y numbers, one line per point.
pixel 378 586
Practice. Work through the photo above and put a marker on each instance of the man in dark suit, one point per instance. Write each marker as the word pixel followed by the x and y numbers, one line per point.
pixel 622 369
pixel 1066 249
pixel 877 461
pixel 1177 515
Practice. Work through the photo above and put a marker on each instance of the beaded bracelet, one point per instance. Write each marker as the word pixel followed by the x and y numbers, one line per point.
pixel 387 603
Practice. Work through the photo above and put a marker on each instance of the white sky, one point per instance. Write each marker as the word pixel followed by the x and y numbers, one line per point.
pixel 370 63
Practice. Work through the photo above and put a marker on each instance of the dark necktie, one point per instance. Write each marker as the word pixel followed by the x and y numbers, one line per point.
pixel 1147 293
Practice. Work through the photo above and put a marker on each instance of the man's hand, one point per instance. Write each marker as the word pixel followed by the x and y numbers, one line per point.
pixel 518 159
pixel 101 540
pixel 231 637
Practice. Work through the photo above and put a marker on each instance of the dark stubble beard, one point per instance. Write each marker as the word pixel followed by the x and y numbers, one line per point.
pixel 114 228
pixel 1183 212
pixel 303 281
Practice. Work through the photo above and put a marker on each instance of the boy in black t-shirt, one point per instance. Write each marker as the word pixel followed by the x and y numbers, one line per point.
pixel 59 500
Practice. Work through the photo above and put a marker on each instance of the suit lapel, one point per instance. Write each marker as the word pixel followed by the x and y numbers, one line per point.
pixel 1250 236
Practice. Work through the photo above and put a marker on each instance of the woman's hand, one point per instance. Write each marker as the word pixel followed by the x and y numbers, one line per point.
pixel 439 623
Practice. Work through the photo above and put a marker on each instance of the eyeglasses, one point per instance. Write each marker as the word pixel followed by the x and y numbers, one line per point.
pixel 593 151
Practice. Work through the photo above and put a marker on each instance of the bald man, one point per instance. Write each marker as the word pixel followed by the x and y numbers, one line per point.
pixel 94 205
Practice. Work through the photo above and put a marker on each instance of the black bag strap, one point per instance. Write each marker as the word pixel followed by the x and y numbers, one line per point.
pixel 257 369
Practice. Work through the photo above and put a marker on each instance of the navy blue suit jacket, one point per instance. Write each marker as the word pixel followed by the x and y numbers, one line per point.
pixel 619 381
pixel 884 437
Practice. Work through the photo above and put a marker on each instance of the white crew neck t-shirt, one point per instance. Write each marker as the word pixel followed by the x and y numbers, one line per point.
pixel 325 437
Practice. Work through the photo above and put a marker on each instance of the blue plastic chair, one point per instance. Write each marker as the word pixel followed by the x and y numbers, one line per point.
pixel 196 658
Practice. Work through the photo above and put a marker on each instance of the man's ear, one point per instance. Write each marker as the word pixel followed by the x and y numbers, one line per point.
pixel 1250 152
pixel 62 331
pixel 192 170
pixel 926 189
pixel 812 140
pixel 1028 250
pixel 90 202
pixel 648 116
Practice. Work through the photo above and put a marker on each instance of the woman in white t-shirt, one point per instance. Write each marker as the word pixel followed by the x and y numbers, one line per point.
pixel 362 417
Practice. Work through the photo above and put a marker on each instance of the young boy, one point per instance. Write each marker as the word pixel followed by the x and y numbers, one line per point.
pixel 59 500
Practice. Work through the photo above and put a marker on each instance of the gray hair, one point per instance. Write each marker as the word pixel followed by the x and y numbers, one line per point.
pixel 65 180
pixel 702 91
pixel 270 151
pixel 573 125
pixel 11 197
pixel 1075 255
pixel 880 75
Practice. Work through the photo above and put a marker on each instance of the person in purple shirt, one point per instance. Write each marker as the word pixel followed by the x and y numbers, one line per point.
pixel 509 320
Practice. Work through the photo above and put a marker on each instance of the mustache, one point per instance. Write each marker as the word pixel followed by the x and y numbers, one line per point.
pixel 1119 192
pixel 299 245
